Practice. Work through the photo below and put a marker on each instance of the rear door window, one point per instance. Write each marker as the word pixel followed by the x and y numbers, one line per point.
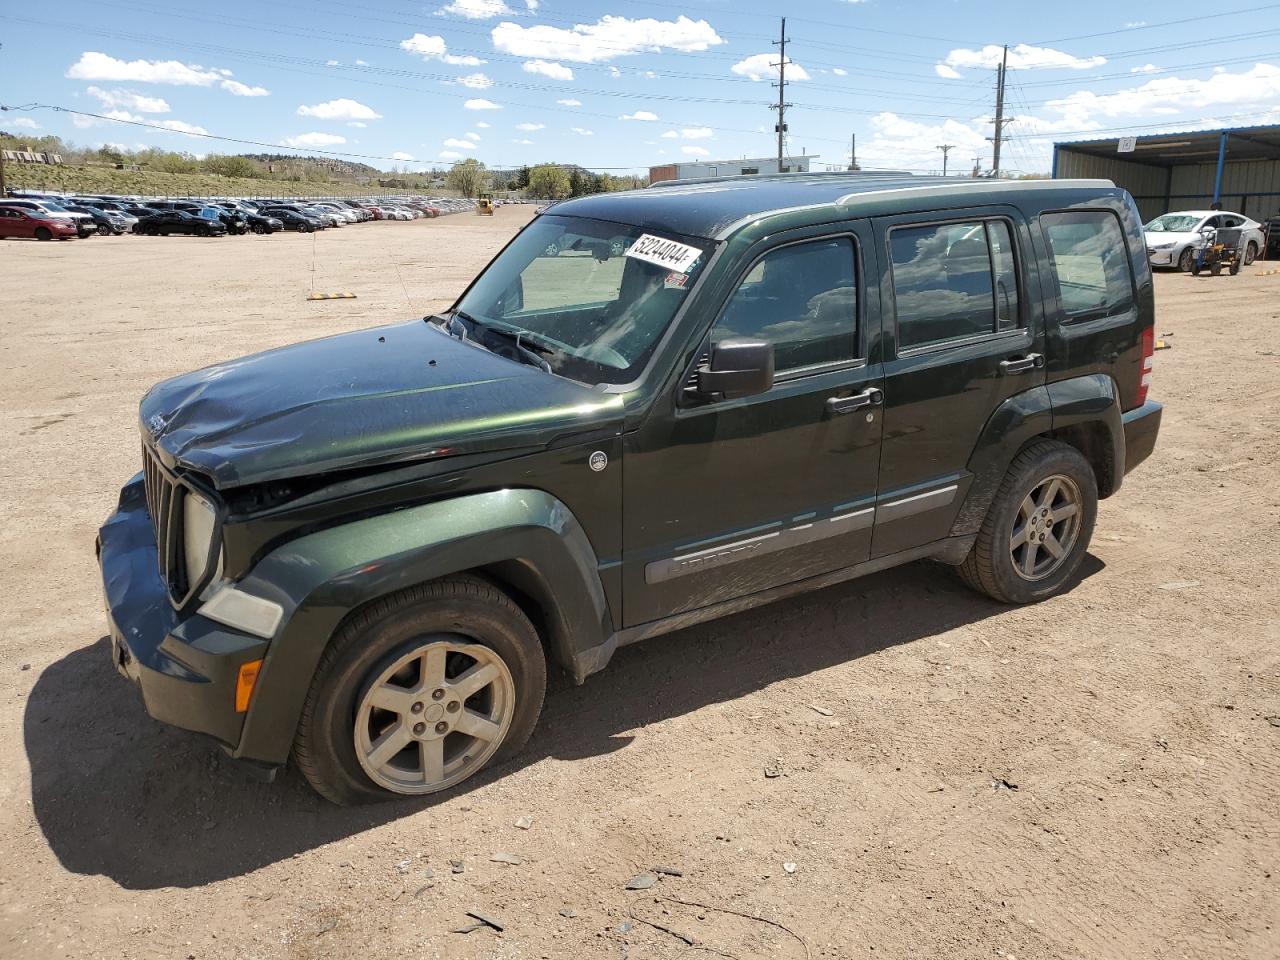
pixel 953 282
pixel 1091 261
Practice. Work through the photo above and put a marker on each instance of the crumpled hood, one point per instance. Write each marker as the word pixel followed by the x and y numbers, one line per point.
pixel 386 395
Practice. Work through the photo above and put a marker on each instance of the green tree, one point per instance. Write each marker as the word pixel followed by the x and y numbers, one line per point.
pixel 468 177
pixel 521 179
pixel 549 181
pixel 233 166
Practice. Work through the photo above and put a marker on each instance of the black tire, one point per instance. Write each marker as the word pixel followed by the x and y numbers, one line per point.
pixel 1195 268
pixel 1216 269
pixel 1186 260
pixel 43 233
pixel 989 567
pixel 386 629
pixel 1235 267
pixel 1250 253
pixel 306 228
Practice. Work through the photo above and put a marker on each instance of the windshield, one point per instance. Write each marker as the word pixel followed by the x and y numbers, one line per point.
pixel 581 290
pixel 1173 223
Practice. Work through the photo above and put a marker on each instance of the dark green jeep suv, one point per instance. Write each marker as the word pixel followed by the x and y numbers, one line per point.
pixel 651 409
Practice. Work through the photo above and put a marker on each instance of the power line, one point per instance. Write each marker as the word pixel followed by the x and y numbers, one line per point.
pixel 1217 14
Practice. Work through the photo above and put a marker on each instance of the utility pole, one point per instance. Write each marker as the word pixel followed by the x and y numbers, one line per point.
pixel 1001 120
pixel 977 166
pixel 853 151
pixel 782 104
pixel 945 148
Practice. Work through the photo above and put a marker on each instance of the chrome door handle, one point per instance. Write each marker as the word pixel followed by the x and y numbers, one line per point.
pixel 867 398
pixel 1032 361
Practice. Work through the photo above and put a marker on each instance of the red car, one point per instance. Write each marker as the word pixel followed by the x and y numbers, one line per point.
pixel 16 222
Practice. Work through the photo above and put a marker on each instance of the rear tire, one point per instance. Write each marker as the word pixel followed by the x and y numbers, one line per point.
pixel 341 725
pixel 43 233
pixel 1022 524
pixel 1250 253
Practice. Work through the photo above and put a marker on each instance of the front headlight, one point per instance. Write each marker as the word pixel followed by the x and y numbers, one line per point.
pixel 198 520
pixel 1164 246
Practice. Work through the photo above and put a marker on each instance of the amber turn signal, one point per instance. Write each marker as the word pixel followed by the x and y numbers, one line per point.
pixel 245 680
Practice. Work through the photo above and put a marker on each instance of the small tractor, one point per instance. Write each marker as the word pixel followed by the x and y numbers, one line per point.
pixel 484 206
pixel 1217 249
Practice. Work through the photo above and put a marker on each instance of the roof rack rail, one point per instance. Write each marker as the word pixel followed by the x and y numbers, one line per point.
pixel 794 175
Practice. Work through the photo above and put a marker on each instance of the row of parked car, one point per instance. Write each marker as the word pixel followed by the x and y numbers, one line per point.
pixel 50 217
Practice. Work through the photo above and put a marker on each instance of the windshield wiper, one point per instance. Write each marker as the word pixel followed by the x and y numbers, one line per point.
pixel 525 350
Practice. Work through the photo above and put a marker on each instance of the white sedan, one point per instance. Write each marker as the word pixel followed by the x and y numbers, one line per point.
pixel 1171 238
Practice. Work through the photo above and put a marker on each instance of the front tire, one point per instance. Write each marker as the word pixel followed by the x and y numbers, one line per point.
pixel 1038 527
pixel 419 691
pixel 1186 260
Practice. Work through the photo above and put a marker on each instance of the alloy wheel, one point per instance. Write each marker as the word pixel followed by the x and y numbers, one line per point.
pixel 1046 528
pixel 434 716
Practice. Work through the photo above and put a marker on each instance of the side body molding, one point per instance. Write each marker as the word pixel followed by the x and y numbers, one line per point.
pixel 321 577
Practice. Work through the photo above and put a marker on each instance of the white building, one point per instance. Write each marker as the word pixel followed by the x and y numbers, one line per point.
pixel 729 168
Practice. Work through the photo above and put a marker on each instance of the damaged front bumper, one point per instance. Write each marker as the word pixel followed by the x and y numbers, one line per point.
pixel 186 668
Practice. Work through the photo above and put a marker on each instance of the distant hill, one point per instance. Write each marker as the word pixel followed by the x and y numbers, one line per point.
pixel 289 164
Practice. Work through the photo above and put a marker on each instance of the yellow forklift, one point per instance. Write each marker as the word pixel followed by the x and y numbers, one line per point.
pixel 484 205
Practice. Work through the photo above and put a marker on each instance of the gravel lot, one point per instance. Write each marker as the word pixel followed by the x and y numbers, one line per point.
pixel 1096 776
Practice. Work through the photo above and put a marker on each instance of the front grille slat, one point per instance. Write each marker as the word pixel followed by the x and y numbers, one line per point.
pixel 164 500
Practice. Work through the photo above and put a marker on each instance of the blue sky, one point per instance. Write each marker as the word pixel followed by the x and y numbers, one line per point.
pixel 624 85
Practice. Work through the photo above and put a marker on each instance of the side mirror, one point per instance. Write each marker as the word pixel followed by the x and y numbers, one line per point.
pixel 739 367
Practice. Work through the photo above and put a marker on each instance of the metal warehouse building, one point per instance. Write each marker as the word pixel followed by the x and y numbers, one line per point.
pixel 1238 167
pixel 728 168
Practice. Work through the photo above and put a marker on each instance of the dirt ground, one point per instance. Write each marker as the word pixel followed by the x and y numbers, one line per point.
pixel 1096 776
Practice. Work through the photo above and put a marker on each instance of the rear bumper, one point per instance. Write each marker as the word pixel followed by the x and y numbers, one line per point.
pixel 185 670
pixel 1141 426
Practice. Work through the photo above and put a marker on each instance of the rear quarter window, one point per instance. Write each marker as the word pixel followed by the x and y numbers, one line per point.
pixel 1091 263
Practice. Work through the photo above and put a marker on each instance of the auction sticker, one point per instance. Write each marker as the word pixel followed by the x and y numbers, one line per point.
pixel 665 253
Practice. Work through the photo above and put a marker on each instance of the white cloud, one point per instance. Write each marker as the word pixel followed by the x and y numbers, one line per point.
pixel 331 63
pixel 482 125
pixel 434 48
pixel 583 132
pixel 695 133
pixel 644 115
pixel 340 109
pixel 129 100
pixel 180 126
pixel 399 155
pixel 459 144
pixel 477 9
pixel 610 37
pixel 556 71
pixel 238 89
pixel 357 124
pixel 531 5
pixel 761 67
pixel 98 66
pixel 671 135
pixel 480 103
pixel 840 71
pixel 945 72
pixel 449 155
pixel 472 135
pixel 476 81
pixel 24 123
pixel 314 140
pixel 696 151
pixel 898 143
pixel 362 63
pixel 1135 23
pixel 1145 68
pixel 569 103
pixel 1170 96
pixel 529 127
pixel 615 72
pixel 523 143
pixel 1021 57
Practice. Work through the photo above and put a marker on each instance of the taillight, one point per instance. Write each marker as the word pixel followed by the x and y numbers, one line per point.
pixel 1148 362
